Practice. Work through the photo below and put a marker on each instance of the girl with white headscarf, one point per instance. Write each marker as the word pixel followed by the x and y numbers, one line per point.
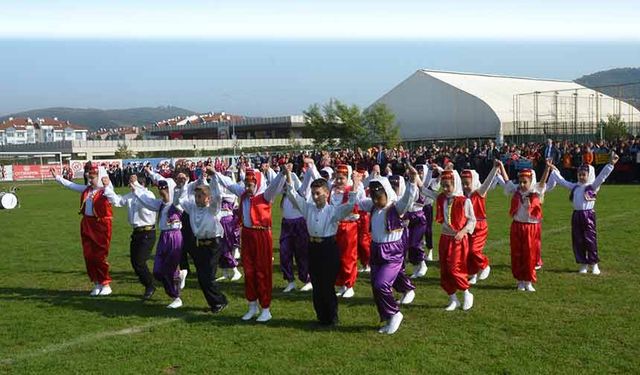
pixel 455 212
pixel 583 221
pixel 387 248
pixel 478 263
pixel 525 237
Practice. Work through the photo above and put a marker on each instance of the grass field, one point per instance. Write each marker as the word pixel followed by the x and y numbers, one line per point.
pixel 573 323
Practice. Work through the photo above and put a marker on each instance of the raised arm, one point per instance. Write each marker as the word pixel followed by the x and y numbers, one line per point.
pixel 410 193
pixel 488 182
pixel 215 200
pixel 274 187
pixel 66 183
pixel 229 184
pixel 605 172
pixel 542 184
pixel 345 210
pixel 295 198
pixel 148 202
pixel 310 175
pixel 557 179
pixel 114 198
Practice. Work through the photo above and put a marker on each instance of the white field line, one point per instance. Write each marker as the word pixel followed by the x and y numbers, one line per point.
pixel 53 348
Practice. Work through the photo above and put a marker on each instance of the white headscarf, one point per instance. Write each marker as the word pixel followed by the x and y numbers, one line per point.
pixel 475 180
pixel 328 170
pixel 349 174
pixel 391 194
pixel 457 188
pixel 592 175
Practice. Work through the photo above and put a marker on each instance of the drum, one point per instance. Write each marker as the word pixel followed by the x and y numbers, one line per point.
pixel 8 201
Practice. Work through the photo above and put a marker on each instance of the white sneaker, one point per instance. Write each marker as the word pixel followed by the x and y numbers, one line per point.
pixel 348 293
pixel 253 311
pixel 596 269
pixel 183 278
pixel 484 273
pixel 521 286
pixel 265 316
pixel 468 300
pixel 341 290
pixel 234 274
pixel 96 289
pixel 306 287
pixel 430 255
pixel 538 267
pixel 236 253
pixel 453 303
pixel 584 268
pixel 474 279
pixel 105 290
pixel 175 304
pixel 529 286
pixel 394 323
pixel 420 270
pixel 225 275
pixel 367 269
pixel 407 298
pixel 291 286
pixel 384 328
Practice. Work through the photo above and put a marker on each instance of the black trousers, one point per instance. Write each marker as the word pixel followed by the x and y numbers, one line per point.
pixel 205 258
pixel 140 251
pixel 324 263
pixel 188 242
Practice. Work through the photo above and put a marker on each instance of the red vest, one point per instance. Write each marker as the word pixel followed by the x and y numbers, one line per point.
pixel 345 198
pixel 101 205
pixel 458 218
pixel 535 207
pixel 259 209
pixel 479 208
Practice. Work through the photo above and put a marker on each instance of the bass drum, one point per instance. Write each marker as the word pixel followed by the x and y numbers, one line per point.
pixel 8 201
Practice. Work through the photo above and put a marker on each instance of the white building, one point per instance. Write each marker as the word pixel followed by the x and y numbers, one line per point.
pixel 25 130
pixel 450 105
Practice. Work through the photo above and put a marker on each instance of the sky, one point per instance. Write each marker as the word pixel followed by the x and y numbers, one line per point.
pixel 276 57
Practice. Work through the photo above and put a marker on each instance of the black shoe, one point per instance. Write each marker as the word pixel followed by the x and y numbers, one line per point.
pixel 148 293
pixel 218 308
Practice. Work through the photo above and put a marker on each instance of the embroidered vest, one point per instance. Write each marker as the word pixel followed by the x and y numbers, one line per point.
pixel 101 205
pixel 535 207
pixel 457 219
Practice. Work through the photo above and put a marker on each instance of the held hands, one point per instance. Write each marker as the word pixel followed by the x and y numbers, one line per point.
pixel 209 170
pixel 357 179
pixel 53 172
pixel 461 235
pixel 105 181
pixel 309 161
pixel 497 163
pixel 375 171
pixel 413 175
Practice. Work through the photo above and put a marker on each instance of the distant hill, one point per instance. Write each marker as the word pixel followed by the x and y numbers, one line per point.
pixel 110 118
pixel 615 77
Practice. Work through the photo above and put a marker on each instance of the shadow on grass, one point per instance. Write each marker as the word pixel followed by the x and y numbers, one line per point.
pixel 117 306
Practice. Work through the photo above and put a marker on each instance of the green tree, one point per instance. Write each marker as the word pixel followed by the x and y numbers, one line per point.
pixel 614 128
pixel 337 124
pixel 123 152
pixel 381 125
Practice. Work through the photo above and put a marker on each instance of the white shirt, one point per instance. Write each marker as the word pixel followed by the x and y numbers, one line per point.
pixel 379 233
pixel 321 222
pixel 205 221
pixel 522 215
pixel 137 214
pixel 88 205
pixel 238 189
pixel 579 201
pixel 156 205
pixel 289 211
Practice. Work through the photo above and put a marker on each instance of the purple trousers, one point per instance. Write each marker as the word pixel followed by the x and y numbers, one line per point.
pixel 230 241
pixel 583 235
pixel 387 271
pixel 416 229
pixel 294 243
pixel 428 226
pixel 168 255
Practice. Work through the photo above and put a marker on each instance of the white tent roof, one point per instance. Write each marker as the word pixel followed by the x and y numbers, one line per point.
pixel 498 91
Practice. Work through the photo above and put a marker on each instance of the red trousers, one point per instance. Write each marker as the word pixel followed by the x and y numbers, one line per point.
pixel 477 260
pixel 525 250
pixel 453 263
pixel 96 238
pixel 364 238
pixel 257 261
pixel 347 239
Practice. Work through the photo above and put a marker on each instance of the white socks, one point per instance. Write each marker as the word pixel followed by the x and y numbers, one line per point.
pixel 454 303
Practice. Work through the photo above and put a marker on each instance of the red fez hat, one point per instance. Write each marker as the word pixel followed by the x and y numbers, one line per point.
pixel 93 170
pixel 466 174
pixel 250 175
pixel 446 175
pixel 342 169
pixel 525 173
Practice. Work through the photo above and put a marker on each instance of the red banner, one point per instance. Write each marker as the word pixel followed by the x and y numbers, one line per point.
pixel 33 172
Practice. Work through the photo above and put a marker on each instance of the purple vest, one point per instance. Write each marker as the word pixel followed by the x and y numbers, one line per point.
pixel 589 193
pixel 172 215
pixel 393 220
pixel 226 205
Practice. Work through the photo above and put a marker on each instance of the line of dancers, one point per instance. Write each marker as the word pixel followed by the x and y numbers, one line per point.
pixel 331 220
